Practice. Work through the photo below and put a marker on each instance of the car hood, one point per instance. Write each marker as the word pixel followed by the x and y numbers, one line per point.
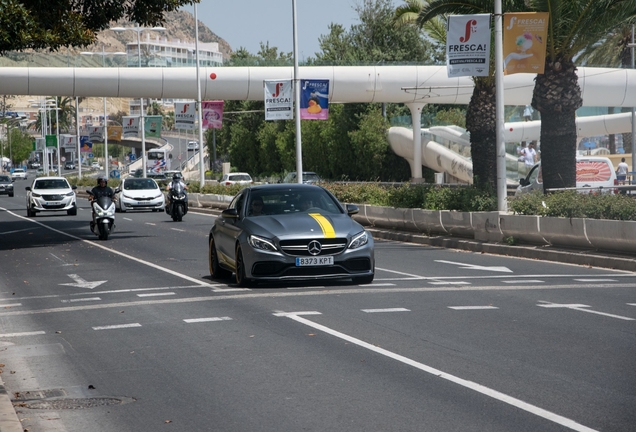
pixel 303 225
pixel 142 193
pixel 52 191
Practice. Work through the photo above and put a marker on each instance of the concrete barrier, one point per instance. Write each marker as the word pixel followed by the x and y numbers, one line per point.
pixel 493 227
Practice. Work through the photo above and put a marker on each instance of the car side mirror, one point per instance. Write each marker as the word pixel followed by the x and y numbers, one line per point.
pixel 117 189
pixel 352 209
pixel 523 182
pixel 73 187
pixel 27 188
pixel 230 213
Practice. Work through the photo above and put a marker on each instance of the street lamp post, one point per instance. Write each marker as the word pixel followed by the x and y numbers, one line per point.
pixel 106 162
pixel 141 100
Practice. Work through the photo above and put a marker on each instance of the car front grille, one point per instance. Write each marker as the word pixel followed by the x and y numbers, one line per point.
pixel 278 269
pixel 53 207
pixel 52 197
pixel 358 264
pixel 301 247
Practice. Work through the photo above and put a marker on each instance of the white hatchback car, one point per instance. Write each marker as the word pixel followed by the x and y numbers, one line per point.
pixel 236 178
pixel 51 194
pixel 139 194
pixel 18 174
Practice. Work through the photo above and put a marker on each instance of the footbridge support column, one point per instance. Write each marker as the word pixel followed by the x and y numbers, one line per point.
pixel 416 121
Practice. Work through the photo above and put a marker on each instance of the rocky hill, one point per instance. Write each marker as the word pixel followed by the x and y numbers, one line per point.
pixel 179 25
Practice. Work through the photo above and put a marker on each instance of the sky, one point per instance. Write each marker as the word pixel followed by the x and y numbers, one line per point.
pixel 246 23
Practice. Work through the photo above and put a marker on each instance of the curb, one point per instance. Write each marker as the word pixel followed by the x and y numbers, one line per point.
pixel 9 421
pixel 545 253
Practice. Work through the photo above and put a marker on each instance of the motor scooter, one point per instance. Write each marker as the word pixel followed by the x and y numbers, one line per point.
pixel 178 206
pixel 103 222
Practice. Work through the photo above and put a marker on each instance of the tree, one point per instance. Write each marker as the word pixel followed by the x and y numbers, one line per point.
pixel 18 145
pixel 481 113
pixel 57 24
pixel 574 25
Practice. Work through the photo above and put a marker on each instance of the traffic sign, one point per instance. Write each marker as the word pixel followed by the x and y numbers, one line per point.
pixel 115 174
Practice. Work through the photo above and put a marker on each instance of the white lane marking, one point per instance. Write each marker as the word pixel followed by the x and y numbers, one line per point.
pixel 518 403
pixel 477 267
pixel 472 307
pixel 198 320
pixel 293 314
pixel 10 305
pixel 579 307
pixel 81 283
pixel 15 231
pixel 524 281
pixel 379 284
pixel 631 304
pixel 307 287
pixel 82 300
pixel 448 283
pixel 177 229
pixel 113 251
pixel 339 292
pixel 547 276
pixel 35 333
pixel 128 219
pixel 150 223
pixel 596 280
pixel 385 310
pixel 411 276
pixel 156 294
pixel 118 326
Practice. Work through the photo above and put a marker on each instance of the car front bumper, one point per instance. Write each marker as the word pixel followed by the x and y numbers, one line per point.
pixel 271 266
pixel 142 203
pixel 40 204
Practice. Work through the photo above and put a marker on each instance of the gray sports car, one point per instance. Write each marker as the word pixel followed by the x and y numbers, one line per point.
pixel 280 232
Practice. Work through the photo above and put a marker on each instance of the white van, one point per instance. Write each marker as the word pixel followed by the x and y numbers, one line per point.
pixel 193 145
pixel 593 174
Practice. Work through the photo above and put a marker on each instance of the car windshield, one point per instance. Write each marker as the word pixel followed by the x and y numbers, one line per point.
pixel 240 177
pixel 51 184
pixel 310 177
pixel 18 170
pixel 139 184
pixel 5 178
pixel 289 201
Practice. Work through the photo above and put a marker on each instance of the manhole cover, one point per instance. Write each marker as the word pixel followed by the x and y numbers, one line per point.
pixel 37 394
pixel 69 404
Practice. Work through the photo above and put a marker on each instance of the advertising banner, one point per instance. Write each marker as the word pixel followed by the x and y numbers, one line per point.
pixel 212 114
pixel 86 146
pixel 68 142
pixel 40 144
pixel 524 37
pixel 185 114
pixel 468 45
pixel 96 133
pixel 153 126
pixel 130 126
pixel 314 99
pixel 114 133
pixel 279 99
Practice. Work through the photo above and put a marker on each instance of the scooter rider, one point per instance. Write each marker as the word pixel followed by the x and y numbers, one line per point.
pixel 102 189
pixel 177 179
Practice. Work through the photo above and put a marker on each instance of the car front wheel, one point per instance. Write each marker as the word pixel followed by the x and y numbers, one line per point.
pixel 241 280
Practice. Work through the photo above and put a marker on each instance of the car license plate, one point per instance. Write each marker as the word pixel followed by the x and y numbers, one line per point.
pixel 51 203
pixel 314 261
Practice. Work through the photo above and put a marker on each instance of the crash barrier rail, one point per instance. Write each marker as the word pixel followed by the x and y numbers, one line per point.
pixel 497 227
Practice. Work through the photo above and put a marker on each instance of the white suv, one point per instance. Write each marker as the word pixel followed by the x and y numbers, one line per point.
pixel 51 194
pixel 18 173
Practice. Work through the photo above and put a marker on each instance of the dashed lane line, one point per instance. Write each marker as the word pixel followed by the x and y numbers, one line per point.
pixel 472 307
pixel 385 310
pixel 117 326
pixel 212 319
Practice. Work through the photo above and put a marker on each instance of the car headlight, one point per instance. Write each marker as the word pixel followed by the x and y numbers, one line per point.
pixel 359 240
pixel 127 197
pixel 70 194
pixel 261 243
pixel 36 195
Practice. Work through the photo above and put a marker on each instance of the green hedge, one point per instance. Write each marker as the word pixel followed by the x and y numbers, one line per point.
pixel 463 198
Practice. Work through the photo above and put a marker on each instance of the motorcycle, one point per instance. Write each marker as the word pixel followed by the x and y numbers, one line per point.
pixel 104 210
pixel 178 206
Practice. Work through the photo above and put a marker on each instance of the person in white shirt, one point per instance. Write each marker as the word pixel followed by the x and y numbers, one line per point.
pixel 621 171
pixel 530 156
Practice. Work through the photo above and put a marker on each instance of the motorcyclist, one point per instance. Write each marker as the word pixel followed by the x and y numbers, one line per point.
pixel 177 179
pixel 102 189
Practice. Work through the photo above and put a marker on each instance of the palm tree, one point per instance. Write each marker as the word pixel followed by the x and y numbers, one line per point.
pixel 574 25
pixel 481 112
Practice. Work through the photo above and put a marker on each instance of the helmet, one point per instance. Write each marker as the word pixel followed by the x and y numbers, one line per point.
pixel 100 178
pixel 177 176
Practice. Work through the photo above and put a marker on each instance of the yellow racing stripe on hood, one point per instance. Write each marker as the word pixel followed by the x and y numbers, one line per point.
pixel 325 225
